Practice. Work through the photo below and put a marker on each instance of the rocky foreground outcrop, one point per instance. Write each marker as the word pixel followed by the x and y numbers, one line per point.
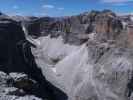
pixel 17 86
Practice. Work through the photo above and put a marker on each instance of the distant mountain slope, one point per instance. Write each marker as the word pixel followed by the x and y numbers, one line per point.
pixel 106 24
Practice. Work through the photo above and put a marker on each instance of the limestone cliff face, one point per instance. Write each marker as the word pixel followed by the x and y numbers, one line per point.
pixel 105 23
pixel 108 26
pixel 130 34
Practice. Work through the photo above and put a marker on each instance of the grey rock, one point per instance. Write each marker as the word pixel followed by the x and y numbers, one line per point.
pixel 11 90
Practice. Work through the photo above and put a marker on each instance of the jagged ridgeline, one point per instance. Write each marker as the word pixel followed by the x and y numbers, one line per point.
pixel 82 57
pixel 106 23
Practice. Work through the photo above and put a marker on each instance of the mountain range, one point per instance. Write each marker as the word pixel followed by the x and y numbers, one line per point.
pixel 82 57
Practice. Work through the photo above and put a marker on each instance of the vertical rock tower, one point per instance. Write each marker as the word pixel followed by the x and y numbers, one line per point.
pixel 130 34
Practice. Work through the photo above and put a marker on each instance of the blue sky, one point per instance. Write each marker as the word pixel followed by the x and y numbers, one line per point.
pixel 62 7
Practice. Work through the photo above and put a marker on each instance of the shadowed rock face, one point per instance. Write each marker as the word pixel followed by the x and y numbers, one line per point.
pixel 40 26
pixel 16 56
pixel 10 34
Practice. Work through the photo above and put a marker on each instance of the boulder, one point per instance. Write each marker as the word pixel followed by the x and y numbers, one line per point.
pixel 10 91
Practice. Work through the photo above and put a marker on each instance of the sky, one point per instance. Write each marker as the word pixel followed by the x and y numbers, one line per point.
pixel 62 7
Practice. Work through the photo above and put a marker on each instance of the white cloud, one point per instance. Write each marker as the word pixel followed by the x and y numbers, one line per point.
pixel 61 8
pixel 15 7
pixel 48 6
pixel 116 1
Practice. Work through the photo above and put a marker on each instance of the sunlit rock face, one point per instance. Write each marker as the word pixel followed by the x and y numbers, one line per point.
pixel 108 26
pixel 99 71
pixel 97 68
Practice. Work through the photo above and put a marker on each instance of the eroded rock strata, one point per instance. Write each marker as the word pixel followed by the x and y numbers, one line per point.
pixel 83 57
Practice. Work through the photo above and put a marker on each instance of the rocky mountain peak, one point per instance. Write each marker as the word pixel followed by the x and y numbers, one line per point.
pixel 108 12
